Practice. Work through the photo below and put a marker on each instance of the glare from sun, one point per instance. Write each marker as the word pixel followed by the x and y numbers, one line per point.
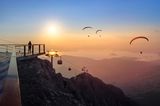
pixel 53 29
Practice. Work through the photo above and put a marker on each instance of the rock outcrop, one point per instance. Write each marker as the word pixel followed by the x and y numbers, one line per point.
pixel 41 86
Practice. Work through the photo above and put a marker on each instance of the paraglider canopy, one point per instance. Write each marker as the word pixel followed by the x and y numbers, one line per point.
pixel 86 27
pixel 98 31
pixel 139 37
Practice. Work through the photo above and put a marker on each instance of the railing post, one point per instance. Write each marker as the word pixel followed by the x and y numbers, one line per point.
pixel 24 50
pixel 43 48
pixel 39 48
pixel 32 49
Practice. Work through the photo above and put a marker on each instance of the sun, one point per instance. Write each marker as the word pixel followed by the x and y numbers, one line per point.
pixel 53 29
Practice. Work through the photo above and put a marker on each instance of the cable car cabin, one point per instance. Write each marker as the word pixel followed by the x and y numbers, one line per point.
pixel 69 69
pixel 59 62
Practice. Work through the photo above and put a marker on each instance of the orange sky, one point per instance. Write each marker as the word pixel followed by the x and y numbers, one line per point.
pixel 118 39
pixel 23 21
pixel 111 40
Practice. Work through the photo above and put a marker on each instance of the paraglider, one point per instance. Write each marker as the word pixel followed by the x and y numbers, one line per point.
pixel 86 27
pixel 139 37
pixel 98 31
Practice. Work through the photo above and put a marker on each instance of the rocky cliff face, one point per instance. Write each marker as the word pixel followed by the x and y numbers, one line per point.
pixel 41 86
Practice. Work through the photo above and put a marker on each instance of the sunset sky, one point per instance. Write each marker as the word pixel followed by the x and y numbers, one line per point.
pixel 59 23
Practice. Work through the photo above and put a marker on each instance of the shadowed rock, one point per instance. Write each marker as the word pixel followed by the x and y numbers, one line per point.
pixel 41 86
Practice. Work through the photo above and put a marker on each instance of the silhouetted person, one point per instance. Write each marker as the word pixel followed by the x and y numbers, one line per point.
pixel 29 46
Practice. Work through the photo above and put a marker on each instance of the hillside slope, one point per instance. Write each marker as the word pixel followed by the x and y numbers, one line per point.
pixel 41 86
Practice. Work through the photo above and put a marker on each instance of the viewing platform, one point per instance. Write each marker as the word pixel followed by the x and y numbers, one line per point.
pixel 23 50
pixel 9 80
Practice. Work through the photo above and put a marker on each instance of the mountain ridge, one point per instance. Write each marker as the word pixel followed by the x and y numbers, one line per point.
pixel 41 86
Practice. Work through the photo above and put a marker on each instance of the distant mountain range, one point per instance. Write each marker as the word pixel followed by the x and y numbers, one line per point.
pixel 119 71
pixel 138 79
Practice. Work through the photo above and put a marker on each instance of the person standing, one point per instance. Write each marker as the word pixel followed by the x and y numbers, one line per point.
pixel 29 47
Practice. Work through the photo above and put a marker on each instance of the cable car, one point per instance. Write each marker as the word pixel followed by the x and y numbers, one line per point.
pixel 60 62
pixel 69 69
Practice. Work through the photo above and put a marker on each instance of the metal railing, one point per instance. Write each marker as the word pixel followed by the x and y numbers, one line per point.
pixel 23 49
pixel 36 49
